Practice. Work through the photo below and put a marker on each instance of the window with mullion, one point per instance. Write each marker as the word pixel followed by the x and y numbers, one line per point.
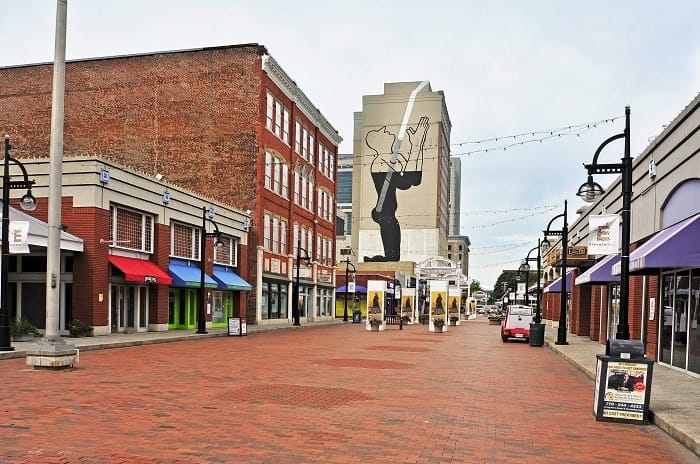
pixel 226 255
pixel 184 241
pixel 131 229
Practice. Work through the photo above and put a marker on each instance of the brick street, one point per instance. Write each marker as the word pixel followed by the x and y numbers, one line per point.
pixel 330 394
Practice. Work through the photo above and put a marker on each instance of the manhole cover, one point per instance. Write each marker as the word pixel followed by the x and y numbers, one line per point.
pixel 409 349
pixel 365 363
pixel 298 395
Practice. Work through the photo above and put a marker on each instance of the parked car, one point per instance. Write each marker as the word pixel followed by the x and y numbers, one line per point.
pixel 516 322
pixel 480 309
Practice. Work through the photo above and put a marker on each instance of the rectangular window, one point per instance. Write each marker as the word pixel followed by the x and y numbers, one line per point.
pixel 270 111
pixel 278 119
pixel 303 193
pixel 285 181
pixel 276 176
pixel 266 227
pixel 184 241
pixel 305 143
pixel 227 253
pixel 295 238
pixel 310 245
pixel 311 196
pixel 268 170
pixel 296 187
pixel 311 149
pixel 283 236
pixel 285 126
pixel 318 248
pixel 331 167
pixel 131 229
pixel 275 235
pixel 297 137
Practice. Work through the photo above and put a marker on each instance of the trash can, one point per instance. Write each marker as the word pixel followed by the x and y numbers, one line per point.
pixel 356 316
pixel 536 334
pixel 623 383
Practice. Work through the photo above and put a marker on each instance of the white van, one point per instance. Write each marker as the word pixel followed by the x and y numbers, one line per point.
pixel 516 322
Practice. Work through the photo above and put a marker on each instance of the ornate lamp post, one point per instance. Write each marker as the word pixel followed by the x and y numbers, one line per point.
pixel 591 190
pixel 545 245
pixel 348 265
pixel 295 293
pixel 207 215
pixel 525 267
pixel 28 203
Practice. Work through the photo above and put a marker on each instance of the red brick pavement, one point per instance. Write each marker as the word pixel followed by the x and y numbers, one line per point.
pixel 332 394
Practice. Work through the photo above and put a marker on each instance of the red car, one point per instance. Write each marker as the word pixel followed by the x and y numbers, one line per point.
pixel 516 322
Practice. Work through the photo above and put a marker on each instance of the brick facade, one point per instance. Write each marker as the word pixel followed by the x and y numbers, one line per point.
pixel 196 116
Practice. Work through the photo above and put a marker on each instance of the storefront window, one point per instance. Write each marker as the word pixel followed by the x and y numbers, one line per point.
pixel 679 339
pixel 283 302
pixel 693 334
pixel 274 301
pixel 218 315
pixel 613 313
pixel 264 302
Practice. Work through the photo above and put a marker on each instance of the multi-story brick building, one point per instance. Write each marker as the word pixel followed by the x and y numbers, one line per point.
pixel 224 122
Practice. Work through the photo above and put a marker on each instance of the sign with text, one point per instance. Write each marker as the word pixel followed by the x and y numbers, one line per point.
pixel 604 234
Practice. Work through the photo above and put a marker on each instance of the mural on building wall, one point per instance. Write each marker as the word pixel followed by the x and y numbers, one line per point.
pixel 402 168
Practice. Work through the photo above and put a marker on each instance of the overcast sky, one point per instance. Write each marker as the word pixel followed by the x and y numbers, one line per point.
pixel 506 68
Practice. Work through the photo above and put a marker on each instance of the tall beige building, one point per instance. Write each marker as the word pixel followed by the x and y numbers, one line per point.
pixel 401 174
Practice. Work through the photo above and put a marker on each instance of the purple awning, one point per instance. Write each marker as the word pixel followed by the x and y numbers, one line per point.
pixel 674 246
pixel 358 289
pixel 555 287
pixel 600 272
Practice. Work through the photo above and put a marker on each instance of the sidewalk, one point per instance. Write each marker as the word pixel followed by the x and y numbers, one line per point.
pixel 675 396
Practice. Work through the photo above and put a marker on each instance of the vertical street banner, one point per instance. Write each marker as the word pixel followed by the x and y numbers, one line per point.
pixel 604 234
pixel 408 304
pixel 438 306
pixel 454 302
pixel 376 292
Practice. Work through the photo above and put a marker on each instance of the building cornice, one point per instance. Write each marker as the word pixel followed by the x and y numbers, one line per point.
pixel 290 88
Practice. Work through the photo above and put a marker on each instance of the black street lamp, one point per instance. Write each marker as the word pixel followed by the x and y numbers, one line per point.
pixel 207 215
pixel 545 245
pixel 28 203
pixel 348 264
pixel 295 293
pixel 525 267
pixel 591 190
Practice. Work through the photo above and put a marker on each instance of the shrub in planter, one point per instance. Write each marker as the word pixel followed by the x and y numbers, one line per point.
pixel 22 328
pixel 77 328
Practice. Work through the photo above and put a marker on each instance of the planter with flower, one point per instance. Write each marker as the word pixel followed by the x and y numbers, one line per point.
pixel 438 324
pixel 374 323
pixel 22 330
pixel 78 328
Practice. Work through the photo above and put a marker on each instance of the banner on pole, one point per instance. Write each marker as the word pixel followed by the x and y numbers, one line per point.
pixel 604 234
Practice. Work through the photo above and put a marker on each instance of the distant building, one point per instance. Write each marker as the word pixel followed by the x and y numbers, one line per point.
pixel 401 174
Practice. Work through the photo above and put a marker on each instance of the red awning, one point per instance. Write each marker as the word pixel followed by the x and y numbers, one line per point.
pixel 140 270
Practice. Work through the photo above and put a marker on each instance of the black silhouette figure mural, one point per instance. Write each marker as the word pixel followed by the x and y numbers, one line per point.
pixel 401 169
pixel 439 309
pixel 375 309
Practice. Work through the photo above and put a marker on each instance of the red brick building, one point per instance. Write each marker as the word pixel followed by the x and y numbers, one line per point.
pixel 224 122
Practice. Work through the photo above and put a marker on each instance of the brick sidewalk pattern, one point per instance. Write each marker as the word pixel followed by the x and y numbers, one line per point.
pixel 326 394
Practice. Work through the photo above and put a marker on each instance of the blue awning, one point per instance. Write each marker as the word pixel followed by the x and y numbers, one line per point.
pixel 229 280
pixel 186 274
pixel 600 272
pixel 555 287
pixel 672 247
